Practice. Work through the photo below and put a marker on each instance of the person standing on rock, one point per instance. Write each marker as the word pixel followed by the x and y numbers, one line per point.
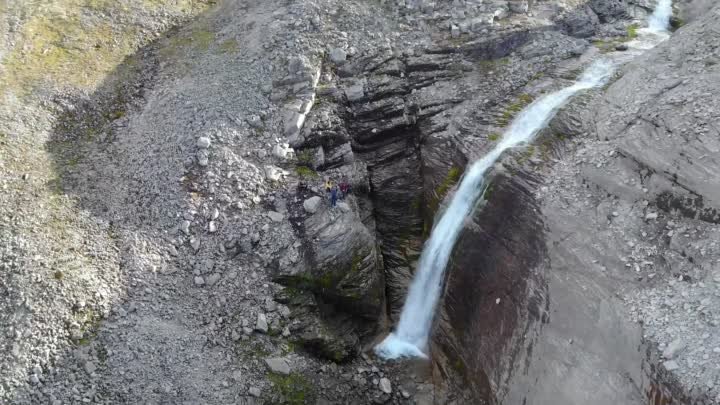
pixel 333 195
pixel 328 184
pixel 344 189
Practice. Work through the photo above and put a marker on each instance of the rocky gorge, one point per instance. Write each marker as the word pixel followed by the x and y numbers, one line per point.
pixel 165 235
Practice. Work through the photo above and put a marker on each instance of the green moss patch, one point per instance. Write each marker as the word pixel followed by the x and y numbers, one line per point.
pixel 293 389
pixel 440 192
pixel 491 64
pixel 229 46
pixel 306 172
pixel 632 32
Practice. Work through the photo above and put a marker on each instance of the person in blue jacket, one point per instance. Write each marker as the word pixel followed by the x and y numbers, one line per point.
pixel 333 195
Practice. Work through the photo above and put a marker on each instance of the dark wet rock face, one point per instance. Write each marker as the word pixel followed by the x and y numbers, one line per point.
pixel 495 288
pixel 581 23
pixel 335 282
pixel 609 11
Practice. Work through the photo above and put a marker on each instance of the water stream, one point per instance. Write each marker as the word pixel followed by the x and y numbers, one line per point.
pixel 412 333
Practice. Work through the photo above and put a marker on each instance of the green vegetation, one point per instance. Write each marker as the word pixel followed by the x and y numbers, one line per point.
pixel 201 39
pixel 67 44
pixel 289 347
pixel 450 180
pixel 308 282
pixel 89 321
pixel 491 64
pixel 514 108
pixel 632 32
pixel 494 137
pixel 441 190
pixel 306 172
pixel 293 389
pixel 253 350
pixel 229 46
pixel 356 262
pixel 609 46
pixel 304 157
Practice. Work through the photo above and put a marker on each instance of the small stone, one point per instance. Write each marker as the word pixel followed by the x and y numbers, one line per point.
pixel 673 349
pixel 203 158
pixel 312 204
pixel 195 244
pixel 338 56
pixel 283 151
pixel 203 142
pixel 355 92
pixel 199 281
pixel 89 367
pixel 254 391
pixel 344 207
pixel 261 325
pixel 213 279
pixel 185 227
pixel 34 380
pixel 286 332
pixel 275 216
pixel 651 215
pixel 255 121
pixel 385 386
pixel 278 365
pixel 621 47
pixel 274 173
pixel 671 365
pixel 212 227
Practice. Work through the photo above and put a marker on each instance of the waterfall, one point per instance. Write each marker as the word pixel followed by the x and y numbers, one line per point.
pixel 411 336
pixel 659 20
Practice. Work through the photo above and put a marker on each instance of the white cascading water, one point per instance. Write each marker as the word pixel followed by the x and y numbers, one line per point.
pixel 412 333
pixel 410 338
pixel 659 20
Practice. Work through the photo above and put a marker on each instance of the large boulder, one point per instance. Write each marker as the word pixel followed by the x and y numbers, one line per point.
pixel 581 23
pixel 340 279
pixel 609 10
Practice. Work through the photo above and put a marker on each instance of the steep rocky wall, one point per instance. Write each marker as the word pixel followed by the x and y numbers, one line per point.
pixel 496 293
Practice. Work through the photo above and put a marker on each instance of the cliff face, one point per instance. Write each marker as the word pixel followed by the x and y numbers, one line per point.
pixel 585 306
pixel 496 295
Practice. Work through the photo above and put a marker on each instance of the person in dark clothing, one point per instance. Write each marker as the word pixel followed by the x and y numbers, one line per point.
pixel 344 189
pixel 333 195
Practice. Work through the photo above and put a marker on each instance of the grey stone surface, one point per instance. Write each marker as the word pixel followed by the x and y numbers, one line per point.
pixel 278 365
pixel 312 204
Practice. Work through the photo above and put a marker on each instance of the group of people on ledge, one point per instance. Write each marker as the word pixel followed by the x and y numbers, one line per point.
pixel 337 191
